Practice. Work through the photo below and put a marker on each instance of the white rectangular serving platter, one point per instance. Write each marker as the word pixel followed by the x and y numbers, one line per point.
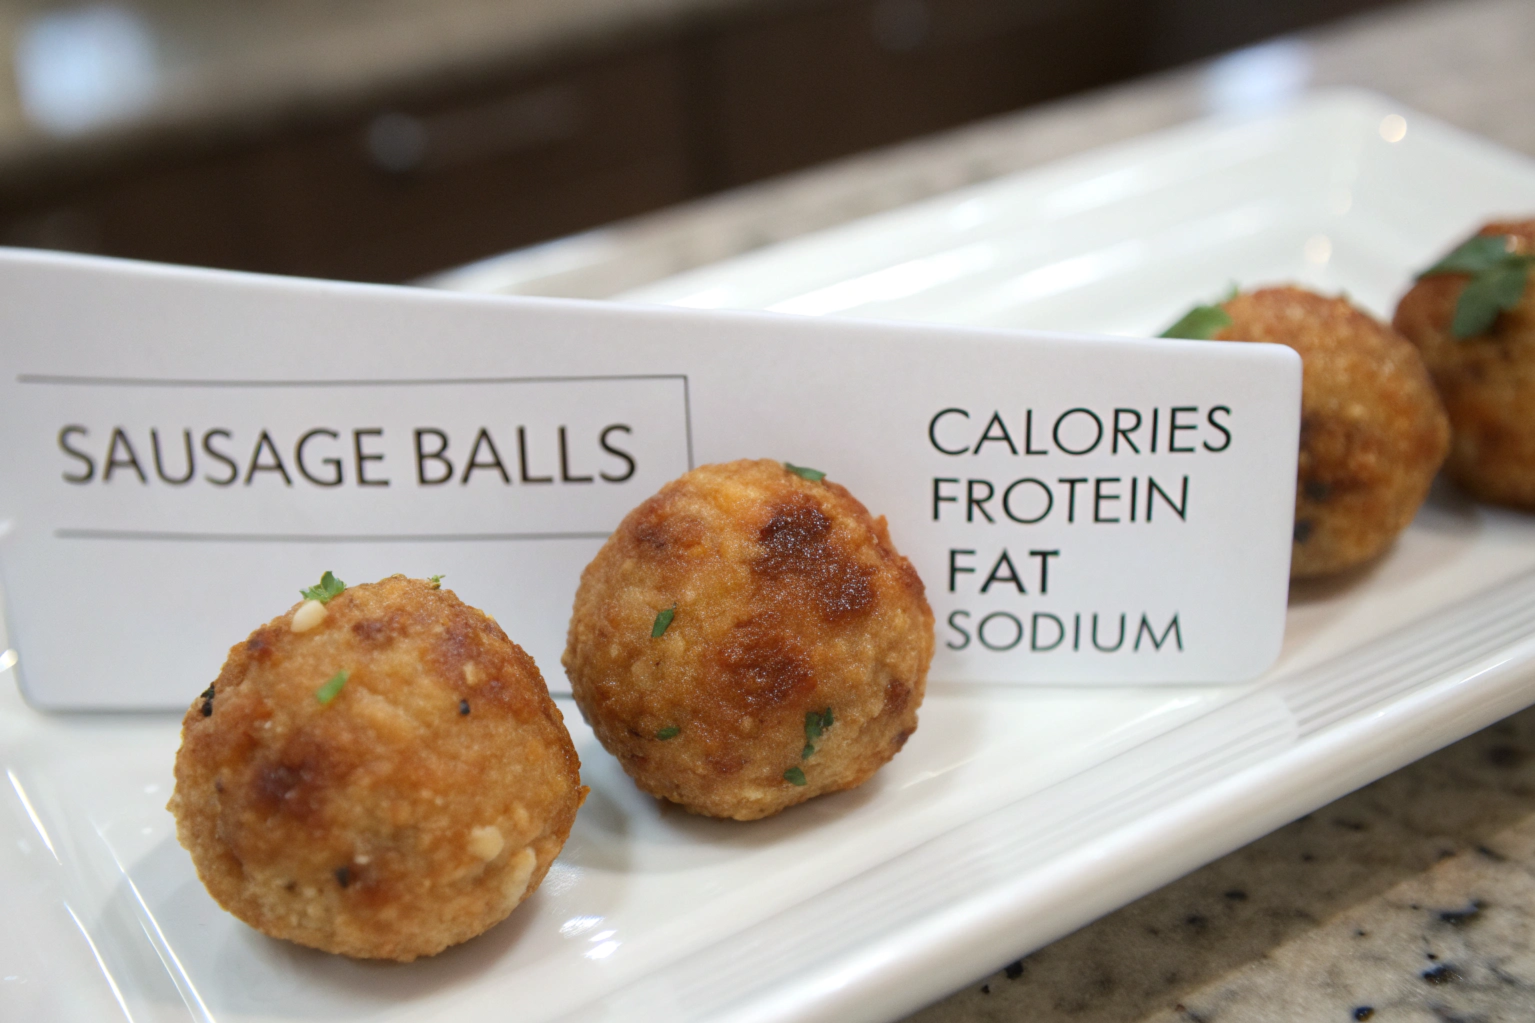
pixel 1013 815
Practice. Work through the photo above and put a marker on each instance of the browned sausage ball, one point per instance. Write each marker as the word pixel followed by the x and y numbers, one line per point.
pixel 795 656
pixel 1487 381
pixel 388 814
pixel 1372 430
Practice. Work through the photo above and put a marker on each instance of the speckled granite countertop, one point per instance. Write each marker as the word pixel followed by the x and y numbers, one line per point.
pixel 1410 900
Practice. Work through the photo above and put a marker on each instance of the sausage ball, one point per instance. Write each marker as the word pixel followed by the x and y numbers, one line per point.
pixel 1487 380
pixel 1372 430
pixel 381 775
pixel 748 639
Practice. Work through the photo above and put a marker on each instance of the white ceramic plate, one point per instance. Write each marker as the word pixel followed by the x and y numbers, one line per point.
pixel 1013 815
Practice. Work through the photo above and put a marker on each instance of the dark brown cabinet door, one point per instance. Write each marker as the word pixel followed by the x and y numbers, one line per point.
pixel 397 192
pixel 420 188
pixel 831 80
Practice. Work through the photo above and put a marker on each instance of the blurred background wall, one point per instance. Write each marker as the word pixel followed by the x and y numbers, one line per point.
pixel 385 139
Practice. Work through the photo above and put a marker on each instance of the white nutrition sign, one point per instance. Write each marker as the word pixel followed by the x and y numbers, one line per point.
pixel 183 450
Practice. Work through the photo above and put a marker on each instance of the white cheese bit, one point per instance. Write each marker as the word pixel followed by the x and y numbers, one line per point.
pixel 519 871
pixel 310 614
pixel 486 842
pixel 362 859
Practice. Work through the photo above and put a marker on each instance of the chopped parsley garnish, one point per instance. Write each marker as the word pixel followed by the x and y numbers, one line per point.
pixel 326 591
pixel 662 623
pixel 816 722
pixel 794 776
pixel 331 689
pixel 1495 291
pixel 669 732
pixel 1472 256
pixel 436 581
pixel 1498 279
pixel 1202 322
pixel 813 475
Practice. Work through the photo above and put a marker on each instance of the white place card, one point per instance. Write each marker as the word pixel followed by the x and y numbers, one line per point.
pixel 184 449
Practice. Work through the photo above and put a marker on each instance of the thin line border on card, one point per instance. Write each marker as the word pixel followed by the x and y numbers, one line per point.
pixel 68 380
pixel 171 536
pixel 65 379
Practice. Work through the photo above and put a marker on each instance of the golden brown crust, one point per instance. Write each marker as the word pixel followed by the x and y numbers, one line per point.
pixel 1487 382
pixel 790 600
pixel 1372 430
pixel 363 826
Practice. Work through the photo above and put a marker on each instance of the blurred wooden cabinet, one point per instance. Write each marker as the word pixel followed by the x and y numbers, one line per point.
pixel 424 181
pixel 394 192
pixel 421 187
pixel 831 80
